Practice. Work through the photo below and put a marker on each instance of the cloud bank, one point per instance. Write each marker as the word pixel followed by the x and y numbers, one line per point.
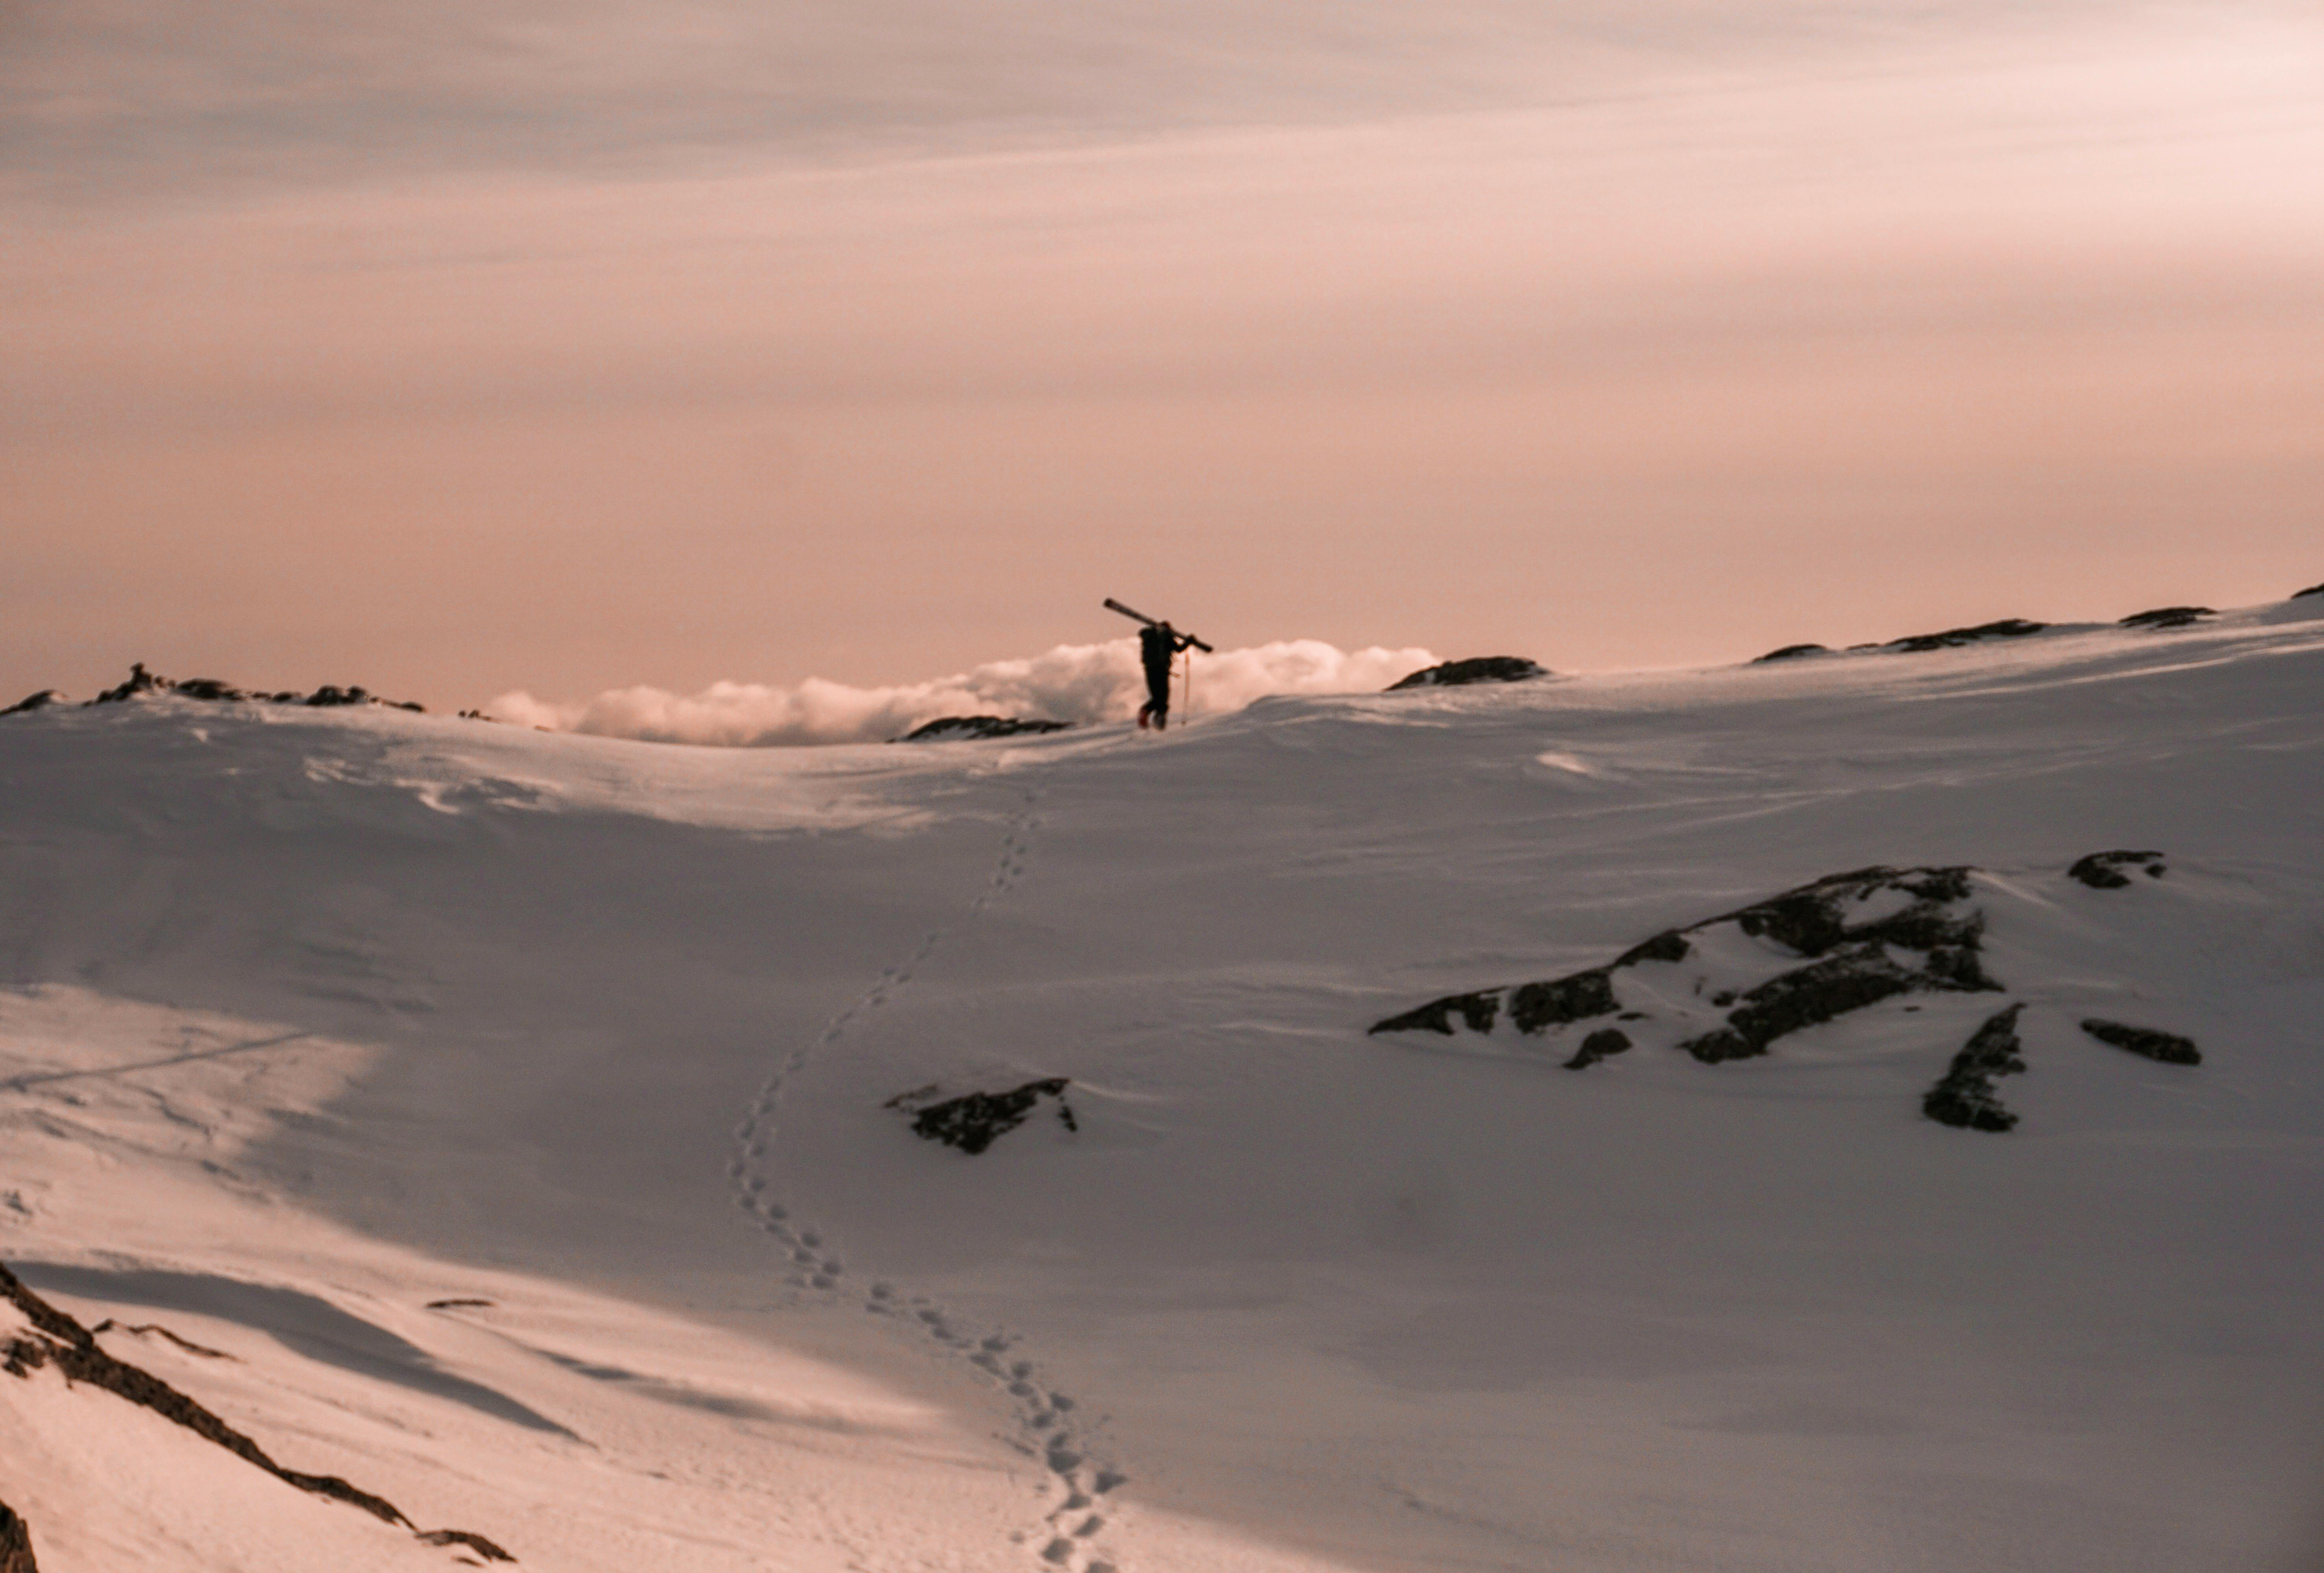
pixel 1073 682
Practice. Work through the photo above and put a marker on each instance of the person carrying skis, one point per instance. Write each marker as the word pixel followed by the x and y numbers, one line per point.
pixel 1159 645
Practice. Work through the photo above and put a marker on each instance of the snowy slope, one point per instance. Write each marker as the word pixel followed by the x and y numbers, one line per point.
pixel 319 1017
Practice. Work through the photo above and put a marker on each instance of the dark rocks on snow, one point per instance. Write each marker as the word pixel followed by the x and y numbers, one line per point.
pixel 2006 628
pixel 1601 1045
pixel 2145 1042
pixel 143 684
pixel 1482 668
pixel 1791 652
pixel 30 702
pixel 1862 974
pixel 975 1121
pixel 1670 945
pixel 156 1331
pixel 15 1543
pixel 1964 1096
pixel 1931 942
pixel 2104 870
pixel 474 1542
pixel 61 1341
pixel 140 682
pixel 2167 617
pixel 959 728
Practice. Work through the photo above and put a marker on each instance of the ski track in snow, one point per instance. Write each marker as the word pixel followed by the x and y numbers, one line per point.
pixel 1049 1425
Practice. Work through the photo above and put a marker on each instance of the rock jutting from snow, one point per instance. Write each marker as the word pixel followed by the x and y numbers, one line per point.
pixel 474 1542
pixel 2311 591
pixel 2167 617
pixel 1602 1044
pixel 975 1121
pixel 1865 935
pixel 2006 628
pixel 961 729
pixel 1964 1096
pixel 2104 870
pixel 15 1543
pixel 30 702
pixel 142 684
pixel 2167 1047
pixel 1481 669
pixel 1792 652
pixel 58 1340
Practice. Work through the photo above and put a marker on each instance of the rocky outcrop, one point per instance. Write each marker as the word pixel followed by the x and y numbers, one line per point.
pixel 2105 870
pixel 1482 668
pixel 975 1121
pixel 1733 986
pixel 2167 617
pixel 1964 1096
pixel 144 684
pixel 58 1340
pixel 1792 652
pixel 1865 936
pixel 2167 1047
pixel 1602 1044
pixel 961 729
pixel 15 1543
pixel 2006 628
pixel 474 1542
pixel 31 702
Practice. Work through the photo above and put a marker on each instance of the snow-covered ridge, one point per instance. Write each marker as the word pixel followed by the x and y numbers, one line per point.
pixel 444 1075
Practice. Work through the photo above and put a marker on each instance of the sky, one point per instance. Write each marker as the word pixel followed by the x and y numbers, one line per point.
pixel 474 350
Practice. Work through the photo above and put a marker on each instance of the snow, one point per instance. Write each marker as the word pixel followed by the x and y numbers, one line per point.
pixel 314 1018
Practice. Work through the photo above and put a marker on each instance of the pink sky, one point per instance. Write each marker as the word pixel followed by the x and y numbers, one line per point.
pixel 566 350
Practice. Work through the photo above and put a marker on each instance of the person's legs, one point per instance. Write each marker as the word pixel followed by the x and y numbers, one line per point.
pixel 1156 710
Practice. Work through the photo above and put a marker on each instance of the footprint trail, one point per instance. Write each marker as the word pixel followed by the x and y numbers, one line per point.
pixel 1049 1426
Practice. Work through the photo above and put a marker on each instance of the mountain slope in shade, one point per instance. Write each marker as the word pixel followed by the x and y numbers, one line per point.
pixel 529 1118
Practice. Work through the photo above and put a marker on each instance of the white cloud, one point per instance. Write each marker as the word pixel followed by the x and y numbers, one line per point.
pixel 1073 682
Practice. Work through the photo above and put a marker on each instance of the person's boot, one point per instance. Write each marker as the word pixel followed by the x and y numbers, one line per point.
pixel 1144 711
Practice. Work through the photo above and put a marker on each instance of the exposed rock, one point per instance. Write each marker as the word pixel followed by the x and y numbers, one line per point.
pixel 1792 651
pixel 15 1543
pixel 2008 628
pixel 975 1121
pixel 2167 617
pixel 960 728
pixel 1670 945
pixel 1866 934
pixel 62 1342
pixel 1536 1006
pixel 156 1331
pixel 2311 591
pixel 1964 1095
pixel 474 1542
pixel 1602 1044
pixel 31 702
pixel 2146 1041
pixel 2104 870
pixel 1482 668
pixel 1863 975
pixel 1478 1011
pixel 142 682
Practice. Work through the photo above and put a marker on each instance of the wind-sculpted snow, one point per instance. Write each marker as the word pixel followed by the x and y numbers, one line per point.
pixel 456 1029
pixel 1078 683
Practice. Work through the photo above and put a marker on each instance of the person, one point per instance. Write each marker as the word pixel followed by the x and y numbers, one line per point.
pixel 1159 645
